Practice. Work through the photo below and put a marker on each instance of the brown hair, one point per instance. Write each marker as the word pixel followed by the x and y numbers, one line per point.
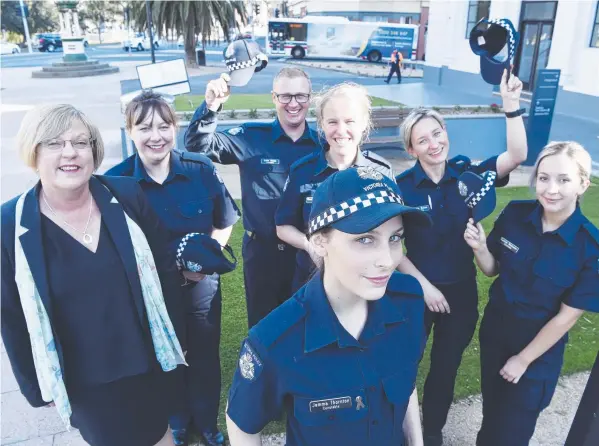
pixel 49 122
pixel 146 104
pixel 291 73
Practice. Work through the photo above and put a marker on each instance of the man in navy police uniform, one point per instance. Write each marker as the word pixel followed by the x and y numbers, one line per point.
pixel 264 153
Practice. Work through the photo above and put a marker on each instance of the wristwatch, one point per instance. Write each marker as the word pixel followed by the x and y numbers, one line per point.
pixel 516 113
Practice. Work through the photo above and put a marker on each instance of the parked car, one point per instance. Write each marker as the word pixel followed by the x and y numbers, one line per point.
pixel 141 42
pixel 9 48
pixel 51 42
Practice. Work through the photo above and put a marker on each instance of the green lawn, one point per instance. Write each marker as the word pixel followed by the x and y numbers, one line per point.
pixel 246 102
pixel 580 354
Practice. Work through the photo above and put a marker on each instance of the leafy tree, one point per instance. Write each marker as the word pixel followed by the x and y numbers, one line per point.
pixel 98 12
pixel 191 19
pixel 43 16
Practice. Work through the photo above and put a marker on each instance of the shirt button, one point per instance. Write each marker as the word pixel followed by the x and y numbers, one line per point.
pixel 438 187
pixel 199 211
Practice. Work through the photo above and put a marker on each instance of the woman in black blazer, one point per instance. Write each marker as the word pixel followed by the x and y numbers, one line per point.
pixel 91 309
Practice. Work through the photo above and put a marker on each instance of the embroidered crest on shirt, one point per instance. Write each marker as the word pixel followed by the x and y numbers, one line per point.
pixel 193 266
pixel 368 173
pixel 235 130
pixel 463 189
pixel 250 364
pixel 476 163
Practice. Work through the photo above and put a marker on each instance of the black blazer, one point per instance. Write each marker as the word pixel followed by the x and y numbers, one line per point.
pixel 134 202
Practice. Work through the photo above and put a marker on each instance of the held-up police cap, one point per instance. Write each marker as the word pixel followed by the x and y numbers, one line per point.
pixel 478 192
pixel 495 41
pixel 200 253
pixel 357 200
pixel 243 58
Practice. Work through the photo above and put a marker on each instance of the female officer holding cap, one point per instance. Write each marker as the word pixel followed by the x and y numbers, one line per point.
pixel 546 253
pixel 189 196
pixel 341 356
pixel 441 260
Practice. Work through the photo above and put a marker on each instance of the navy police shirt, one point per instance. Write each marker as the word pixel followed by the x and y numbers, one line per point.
pixel 264 154
pixel 440 251
pixel 334 389
pixel 538 271
pixel 193 198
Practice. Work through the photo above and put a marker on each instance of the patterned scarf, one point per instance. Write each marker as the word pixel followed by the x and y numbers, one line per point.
pixel 47 365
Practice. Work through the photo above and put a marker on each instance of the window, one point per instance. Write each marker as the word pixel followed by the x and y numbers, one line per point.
pixel 476 11
pixel 595 34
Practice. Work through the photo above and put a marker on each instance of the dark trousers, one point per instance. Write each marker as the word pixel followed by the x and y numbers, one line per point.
pixel 394 69
pixel 451 335
pixel 510 411
pixel 268 266
pixel 200 382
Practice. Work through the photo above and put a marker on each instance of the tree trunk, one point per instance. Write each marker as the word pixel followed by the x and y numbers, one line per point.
pixel 189 40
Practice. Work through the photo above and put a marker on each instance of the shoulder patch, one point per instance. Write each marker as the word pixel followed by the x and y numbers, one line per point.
pixel 404 284
pixel 304 160
pixel 278 322
pixel 235 131
pixel 194 157
pixel 593 231
pixel 250 364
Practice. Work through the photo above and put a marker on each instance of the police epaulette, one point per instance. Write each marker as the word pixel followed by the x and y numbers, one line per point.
pixel 377 158
pixel 278 322
pixel 304 160
pixel 194 157
pixel 592 230
pixel 460 162
pixel 404 284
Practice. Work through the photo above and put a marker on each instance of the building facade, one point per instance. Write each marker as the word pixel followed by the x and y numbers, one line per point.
pixel 560 34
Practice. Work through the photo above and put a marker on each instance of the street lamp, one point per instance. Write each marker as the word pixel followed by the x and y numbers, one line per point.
pixel 149 19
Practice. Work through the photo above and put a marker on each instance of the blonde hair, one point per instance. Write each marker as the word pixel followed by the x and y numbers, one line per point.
pixel 357 92
pixel 49 122
pixel 415 116
pixel 292 73
pixel 575 151
pixel 145 104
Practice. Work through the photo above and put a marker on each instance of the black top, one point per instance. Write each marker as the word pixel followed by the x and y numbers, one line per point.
pixel 94 314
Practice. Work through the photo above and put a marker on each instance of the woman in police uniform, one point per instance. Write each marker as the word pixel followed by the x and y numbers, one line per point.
pixel 340 357
pixel 546 253
pixel 438 256
pixel 189 196
pixel 343 115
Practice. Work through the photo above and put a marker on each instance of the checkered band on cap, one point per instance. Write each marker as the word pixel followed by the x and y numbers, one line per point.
pixel 349 207
pixel 511 35
pixel 234 66
pixel 181 248
pixel 486 188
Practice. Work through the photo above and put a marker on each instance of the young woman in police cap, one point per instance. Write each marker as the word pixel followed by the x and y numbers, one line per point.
pixel 340 357
pixel 438 256
pixel 546 255
pixel 344 120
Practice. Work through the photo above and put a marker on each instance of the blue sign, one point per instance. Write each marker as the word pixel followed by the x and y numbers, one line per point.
pixel 541 112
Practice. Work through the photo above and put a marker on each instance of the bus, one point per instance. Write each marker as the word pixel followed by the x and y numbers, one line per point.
pixel 338 37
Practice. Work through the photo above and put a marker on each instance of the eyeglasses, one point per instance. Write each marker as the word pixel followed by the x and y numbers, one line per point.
pixel 285 98
pixel 56 145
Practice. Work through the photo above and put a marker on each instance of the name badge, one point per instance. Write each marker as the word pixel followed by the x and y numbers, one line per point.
pixel 344 402
pixel 509 245
pixel 309 199
pixel 270 161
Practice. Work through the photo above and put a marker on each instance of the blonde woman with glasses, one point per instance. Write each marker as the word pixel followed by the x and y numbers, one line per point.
pixel 91 306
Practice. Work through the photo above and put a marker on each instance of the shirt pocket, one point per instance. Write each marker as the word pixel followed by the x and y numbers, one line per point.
pixel 197 214
pixel 551 279
pixel 398 389
pixel 326 419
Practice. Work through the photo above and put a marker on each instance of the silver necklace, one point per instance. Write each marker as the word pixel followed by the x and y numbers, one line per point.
pixel 87 237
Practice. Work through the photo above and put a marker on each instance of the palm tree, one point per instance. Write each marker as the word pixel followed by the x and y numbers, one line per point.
pixel 191 19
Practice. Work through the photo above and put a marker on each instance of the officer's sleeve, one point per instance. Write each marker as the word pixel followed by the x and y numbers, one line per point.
pixel 225 213
pixel 255 397
pixel 584 294
pixel 490 164
pixel 201 136
pixel 493 238
pixel 290 207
